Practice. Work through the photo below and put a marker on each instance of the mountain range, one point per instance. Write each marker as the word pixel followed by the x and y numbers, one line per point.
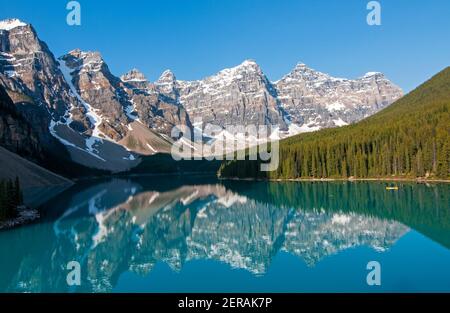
pixel 409 139
pixel 110 122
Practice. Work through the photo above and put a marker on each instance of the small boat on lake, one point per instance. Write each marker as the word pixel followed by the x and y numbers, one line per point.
pixel 392 188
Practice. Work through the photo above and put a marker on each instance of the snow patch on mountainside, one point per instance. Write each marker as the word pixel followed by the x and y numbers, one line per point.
pixel 11 24
pixel 94 118
pixel 336 106
pixel 131 111
pixel 294 129
pixel 339 122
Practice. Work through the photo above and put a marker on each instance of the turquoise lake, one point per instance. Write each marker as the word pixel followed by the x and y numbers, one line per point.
pixel 198 234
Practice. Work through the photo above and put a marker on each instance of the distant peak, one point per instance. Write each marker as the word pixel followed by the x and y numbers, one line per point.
pixel 75 51
pixel 167 73
pixel 302 67
pixel 372 74
pixel 133 75
pixel 247 65
pixel 84 61
pixel 135 71
pixel 9 24
pixel 302 72
pixel 167 76
pixel 249 62
pixel 78 53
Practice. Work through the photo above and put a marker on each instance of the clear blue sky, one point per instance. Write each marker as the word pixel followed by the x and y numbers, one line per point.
pixel 196 38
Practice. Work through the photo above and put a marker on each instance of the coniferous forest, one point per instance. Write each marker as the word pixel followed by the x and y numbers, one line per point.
pixel 409 139
pixel 10 198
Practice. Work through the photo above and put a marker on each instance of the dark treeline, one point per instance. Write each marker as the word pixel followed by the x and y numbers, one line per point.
pixel 410 138
pixel 10 198
pixel 161 163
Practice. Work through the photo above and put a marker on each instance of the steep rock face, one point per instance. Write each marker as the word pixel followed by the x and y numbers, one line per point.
pixel 304 99
pixel 16 134
pixel 45 97
pixel 167 85
pixel 159 111
pixel 77 102
pixel 31 75
pixel 99 117
pixel 100 90
pixel 44 94
pixel 117 102
pixel 315 100
pixel 238 96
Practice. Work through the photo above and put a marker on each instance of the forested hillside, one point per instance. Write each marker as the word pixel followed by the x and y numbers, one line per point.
pixel 409 139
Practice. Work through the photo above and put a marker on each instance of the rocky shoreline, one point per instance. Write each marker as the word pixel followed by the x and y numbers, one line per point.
pixel 25 215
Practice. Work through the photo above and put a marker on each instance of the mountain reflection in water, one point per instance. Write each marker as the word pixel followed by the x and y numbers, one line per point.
pixel 121 225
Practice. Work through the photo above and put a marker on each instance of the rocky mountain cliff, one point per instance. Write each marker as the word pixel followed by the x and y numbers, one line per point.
pixel 242 95
pixel 16 134
pixel 303 100
pixel 107 122
pixel 98 90
pixel 160 111
pixel 30 74
pixel 314 100
pixel 77 101
pixel 43 97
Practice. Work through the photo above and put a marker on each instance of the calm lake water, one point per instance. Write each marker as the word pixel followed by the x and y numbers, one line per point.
pixel 202 235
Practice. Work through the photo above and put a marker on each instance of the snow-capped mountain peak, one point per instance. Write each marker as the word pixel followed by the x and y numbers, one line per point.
pixel 302 72
pixel 239 95
pixel 248 66
pixel 167 84
pixel 249 63
pixel 89 109
pixel 167 77
pixel 373 74
pixel 87 55
pixel 9 24
pixel 318 100
pixel 87 61
pixel 80 54
pixel 133 75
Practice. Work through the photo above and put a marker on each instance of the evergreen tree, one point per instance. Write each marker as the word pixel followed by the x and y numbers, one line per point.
pixel 10 198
